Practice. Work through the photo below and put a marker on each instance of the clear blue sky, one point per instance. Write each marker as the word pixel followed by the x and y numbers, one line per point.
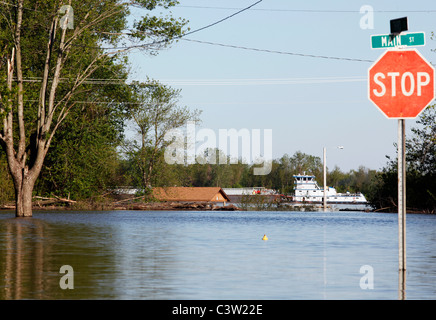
pixel 308 102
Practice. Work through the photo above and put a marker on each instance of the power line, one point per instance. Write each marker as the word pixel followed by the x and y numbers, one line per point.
pixel 278 52
pixel 15 5
pixel 224 19
pixel 95 102
pixel 181 36
pixel 87 81
pixel 221 103
pixel 256 81
pixel 218 82
pixel 309 10
pixel 276 103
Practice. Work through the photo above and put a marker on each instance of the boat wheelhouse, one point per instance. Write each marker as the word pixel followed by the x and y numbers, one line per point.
pixel 307 190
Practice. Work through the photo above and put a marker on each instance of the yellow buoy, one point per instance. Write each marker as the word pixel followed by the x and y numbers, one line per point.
pixel 265 237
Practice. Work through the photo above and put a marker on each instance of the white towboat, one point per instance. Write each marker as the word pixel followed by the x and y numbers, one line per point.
pixel 307 191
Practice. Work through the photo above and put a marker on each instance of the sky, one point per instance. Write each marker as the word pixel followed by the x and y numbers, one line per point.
pixel 308 81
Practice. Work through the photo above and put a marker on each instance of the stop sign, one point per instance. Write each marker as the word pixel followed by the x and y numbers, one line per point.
pixel 401 83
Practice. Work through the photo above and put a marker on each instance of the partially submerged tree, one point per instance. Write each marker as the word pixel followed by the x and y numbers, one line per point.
pixel 48 51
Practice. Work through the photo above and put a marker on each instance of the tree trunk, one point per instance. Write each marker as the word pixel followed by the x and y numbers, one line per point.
pixel 23 183
pixel 23 202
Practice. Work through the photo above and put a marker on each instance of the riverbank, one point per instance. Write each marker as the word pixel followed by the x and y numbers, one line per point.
pixel 145 206
pixel 140 205
pixel 169 206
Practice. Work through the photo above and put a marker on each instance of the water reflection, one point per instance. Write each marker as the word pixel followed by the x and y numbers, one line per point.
pixel 109 261
pixel 33 251
pixel 23 254
pixel 401 284
pixel 146 262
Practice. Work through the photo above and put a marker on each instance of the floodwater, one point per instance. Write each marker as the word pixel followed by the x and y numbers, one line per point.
pixel 214 255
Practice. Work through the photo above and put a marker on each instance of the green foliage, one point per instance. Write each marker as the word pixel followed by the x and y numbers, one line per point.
pixel 354 181
pixel 155 113
pixel 83 159
pixel 421 171
pixel 257 203
pixel 421 147
pixel 6 183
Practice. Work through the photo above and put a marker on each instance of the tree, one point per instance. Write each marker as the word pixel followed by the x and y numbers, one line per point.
pixel 156 113
pixel 71 53
pixel 421 147
pixel 302 162
pixel 420 174
pixel 83 159
pixel 354 181
pixel 338 179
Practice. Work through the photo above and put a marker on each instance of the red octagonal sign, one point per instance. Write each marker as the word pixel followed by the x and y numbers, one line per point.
pixel 401 83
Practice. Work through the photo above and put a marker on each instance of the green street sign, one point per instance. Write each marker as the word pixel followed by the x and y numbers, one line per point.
pixel 401 40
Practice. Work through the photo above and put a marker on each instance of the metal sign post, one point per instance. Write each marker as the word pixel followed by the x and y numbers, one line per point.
pixel 402 194
pixel 401 209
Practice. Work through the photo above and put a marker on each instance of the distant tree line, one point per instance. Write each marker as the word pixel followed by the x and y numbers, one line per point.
pixel 91 155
